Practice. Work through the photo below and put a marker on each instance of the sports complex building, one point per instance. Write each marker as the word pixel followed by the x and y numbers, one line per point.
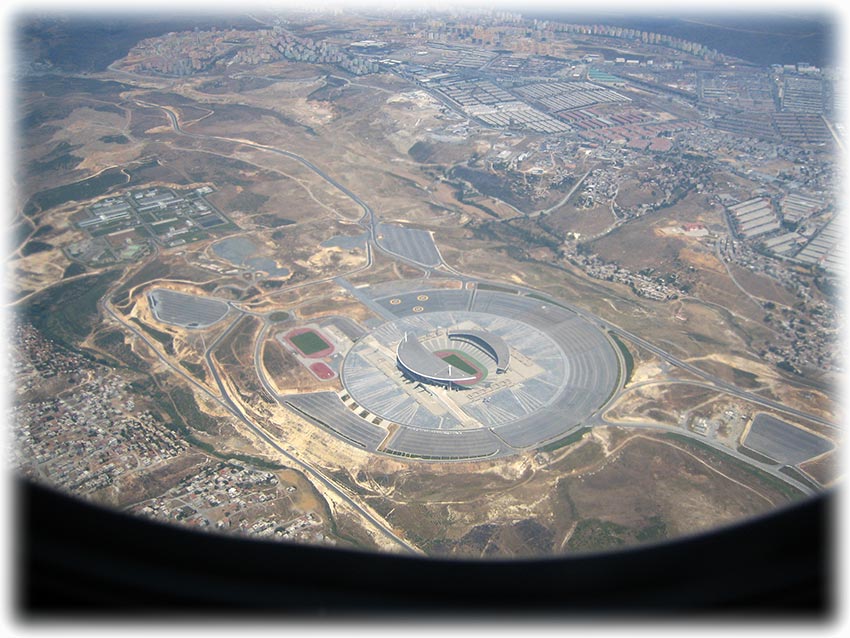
pixel 421 364
pixel 451 373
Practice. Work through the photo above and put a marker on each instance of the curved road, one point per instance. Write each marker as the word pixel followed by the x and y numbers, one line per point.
pixel 370 225
pixel 316 474
pixel 764 467
pixel 226 402
pixel 716 382
pixel 367 221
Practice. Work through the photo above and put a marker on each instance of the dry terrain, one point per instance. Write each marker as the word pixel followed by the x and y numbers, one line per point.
pixel 605 487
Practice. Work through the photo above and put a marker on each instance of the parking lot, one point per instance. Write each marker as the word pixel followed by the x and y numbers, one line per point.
pixel 564 369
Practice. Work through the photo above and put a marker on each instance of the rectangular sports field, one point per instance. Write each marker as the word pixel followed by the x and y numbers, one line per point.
pixel 309 343
pixel 456 362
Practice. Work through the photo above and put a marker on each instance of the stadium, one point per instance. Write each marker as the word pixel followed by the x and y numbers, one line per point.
pixel 450 368
pixel 462 373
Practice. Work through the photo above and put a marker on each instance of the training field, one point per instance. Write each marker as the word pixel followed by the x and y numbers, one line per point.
pixel 308 342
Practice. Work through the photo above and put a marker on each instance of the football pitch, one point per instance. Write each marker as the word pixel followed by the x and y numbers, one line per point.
pixel 456 362
pixel 309 343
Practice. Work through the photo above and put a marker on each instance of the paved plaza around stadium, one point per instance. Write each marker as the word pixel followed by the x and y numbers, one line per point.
pixel 410 243
pixel 562 370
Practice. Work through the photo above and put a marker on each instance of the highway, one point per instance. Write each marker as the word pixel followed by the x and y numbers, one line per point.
pixel 226 402
pixel 371 226
pixel 716 382
pixel 368 222
pixel 764 467
pixel 309 469
pixel 833 132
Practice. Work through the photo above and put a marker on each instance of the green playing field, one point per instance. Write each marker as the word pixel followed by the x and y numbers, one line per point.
pixel 309 343
pixel 456 362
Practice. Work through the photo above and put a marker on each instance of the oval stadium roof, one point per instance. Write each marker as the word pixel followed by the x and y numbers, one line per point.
pixel 414 357
pixel 491 344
